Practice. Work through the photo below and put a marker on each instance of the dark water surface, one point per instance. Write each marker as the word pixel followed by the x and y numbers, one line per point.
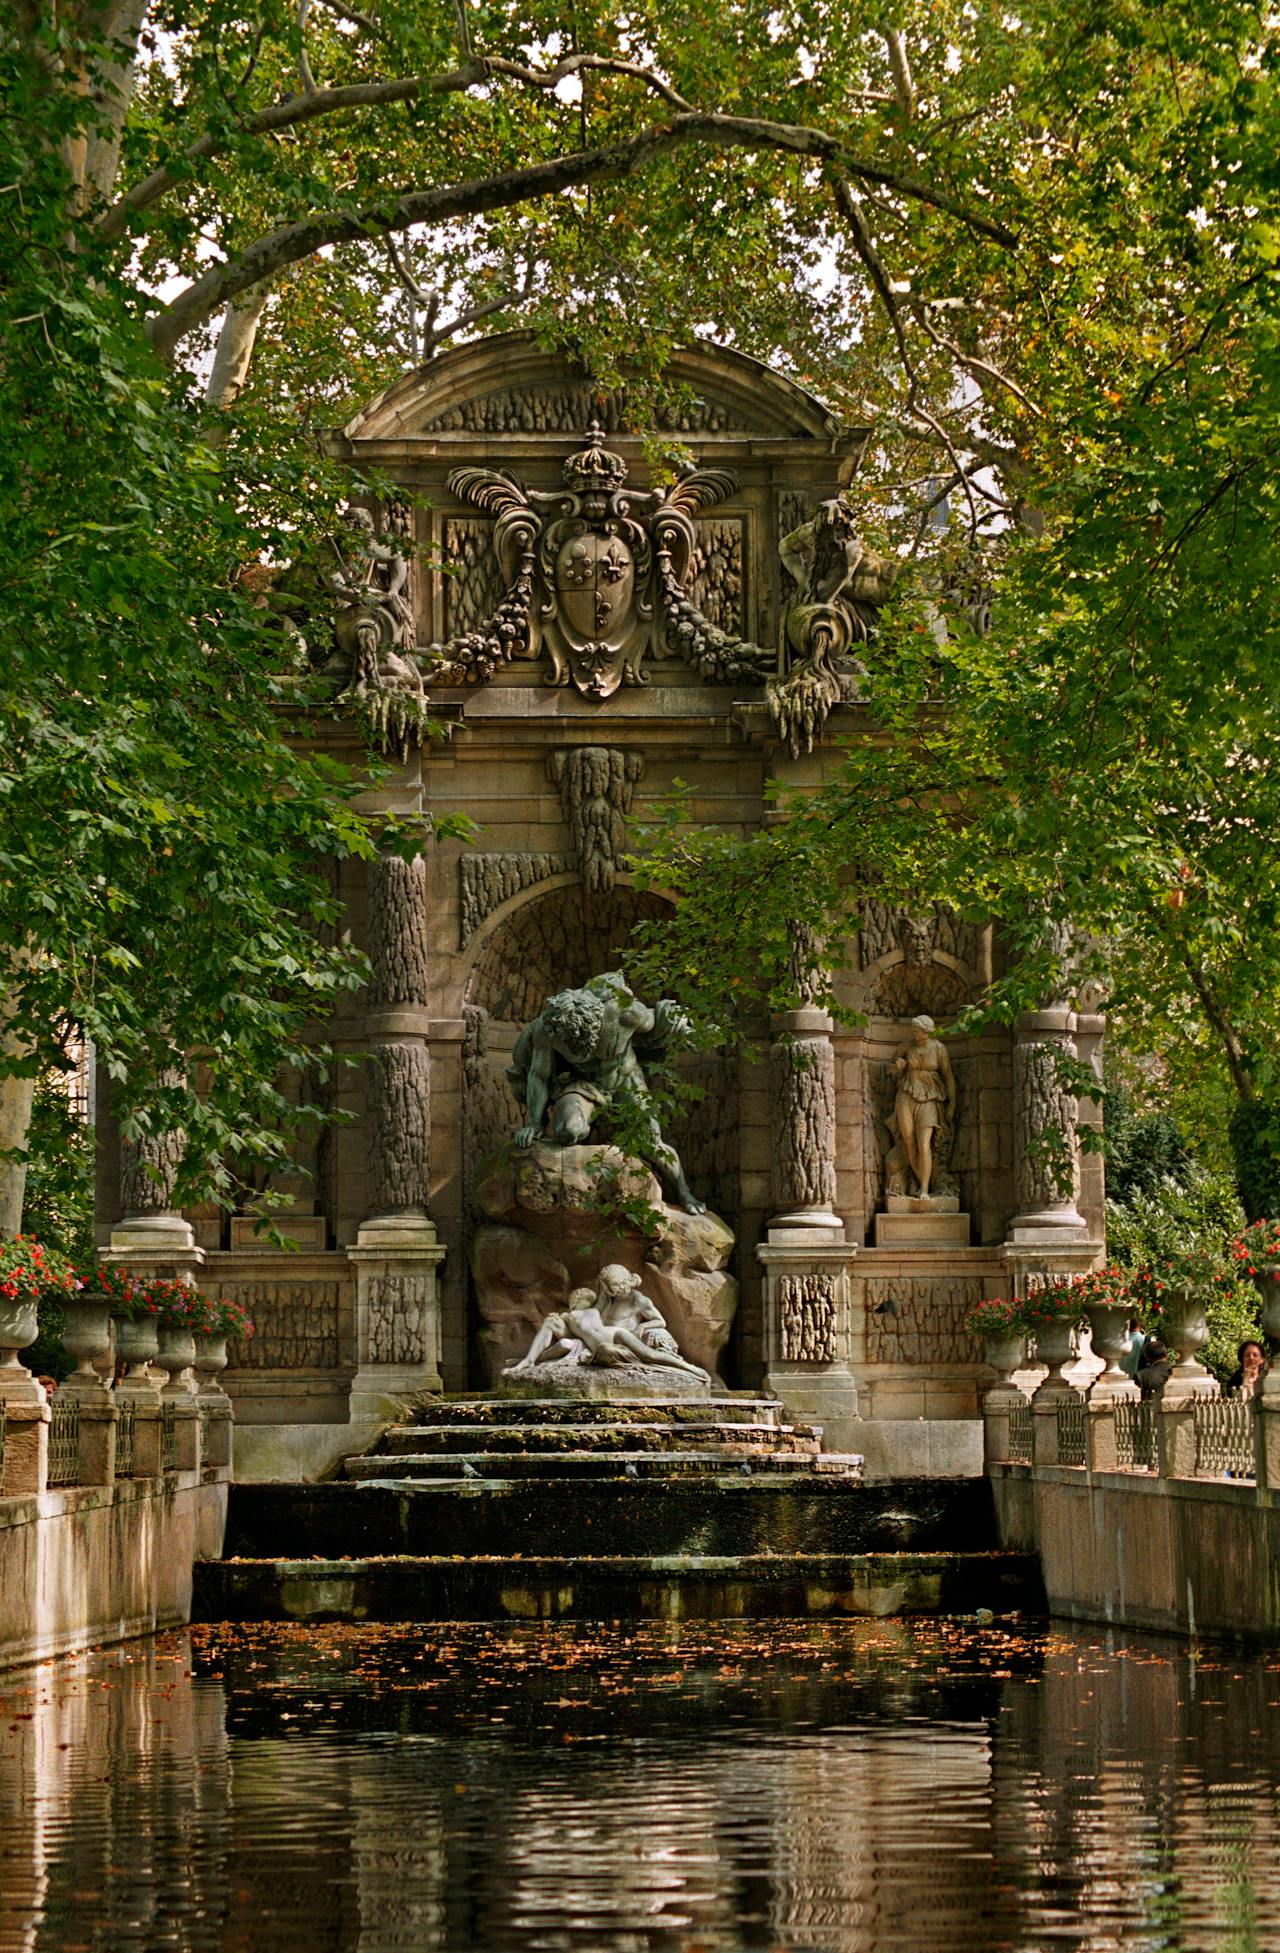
pixel 881 1788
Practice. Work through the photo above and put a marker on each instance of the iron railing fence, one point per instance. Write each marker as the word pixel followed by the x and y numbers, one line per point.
pixel 64 1439
pixel 1071 1414
pixel 1224 1437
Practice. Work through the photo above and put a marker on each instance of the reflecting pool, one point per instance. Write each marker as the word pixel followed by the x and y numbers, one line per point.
pixel 897 1786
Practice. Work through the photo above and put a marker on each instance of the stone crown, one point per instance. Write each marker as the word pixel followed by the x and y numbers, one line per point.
pixel 594 466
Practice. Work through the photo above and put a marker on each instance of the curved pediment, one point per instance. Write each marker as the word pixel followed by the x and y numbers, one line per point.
pixel 508 384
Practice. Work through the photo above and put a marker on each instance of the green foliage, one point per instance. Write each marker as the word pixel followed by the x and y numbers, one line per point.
pixel 58 1207
pixel 1201 1212
pixel 1141 1150
pixel 1255 1144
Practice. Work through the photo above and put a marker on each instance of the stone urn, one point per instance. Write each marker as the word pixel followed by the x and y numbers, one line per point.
pixel 19 1327
pixel 136 1345
pixel 210 1361
pixel 176 1354
pixel 86 1335
pixel 1054 1348
pixel 1109 1330
pixel 1267 1283
pixel 1188 1332
pixel 1005 1353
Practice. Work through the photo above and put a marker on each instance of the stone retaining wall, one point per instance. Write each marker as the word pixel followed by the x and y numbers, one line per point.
pixel 95 1564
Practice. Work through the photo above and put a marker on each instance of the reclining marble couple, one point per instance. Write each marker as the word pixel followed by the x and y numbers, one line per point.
pixel 611 1326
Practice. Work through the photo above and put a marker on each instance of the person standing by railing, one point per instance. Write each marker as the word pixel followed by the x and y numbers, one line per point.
pixel 1251 1368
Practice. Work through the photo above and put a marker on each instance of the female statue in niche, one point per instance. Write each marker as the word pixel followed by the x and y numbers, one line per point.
pixel 925 1100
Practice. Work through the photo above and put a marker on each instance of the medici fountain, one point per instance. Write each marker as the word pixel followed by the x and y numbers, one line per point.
pixel 500 1220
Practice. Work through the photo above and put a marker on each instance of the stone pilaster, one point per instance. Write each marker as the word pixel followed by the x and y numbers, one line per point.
pixel 25 1466
pixel 397 1253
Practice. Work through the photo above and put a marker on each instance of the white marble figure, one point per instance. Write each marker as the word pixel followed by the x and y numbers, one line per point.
pixel 611 1327
pixel 925 1101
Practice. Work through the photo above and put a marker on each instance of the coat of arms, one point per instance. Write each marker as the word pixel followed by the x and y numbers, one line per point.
pixel 591 569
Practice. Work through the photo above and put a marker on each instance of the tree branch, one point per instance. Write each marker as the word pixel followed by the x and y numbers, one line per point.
pixel 728 131
pixel 270 254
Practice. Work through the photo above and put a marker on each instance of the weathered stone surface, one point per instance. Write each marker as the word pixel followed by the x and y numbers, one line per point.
pixel 473 586
pixel 399 1135
pixel 716 573
pixel 807 1318
pixel 398 930
pixel 596 786
pixel 486 881
pixel 565 409
pixel 553 1235
pixel 296 1325
pixel 557 941
pixel 569 1378
pixel 803 1114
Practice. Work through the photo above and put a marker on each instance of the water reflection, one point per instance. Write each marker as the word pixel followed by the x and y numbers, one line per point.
pixel 879 1788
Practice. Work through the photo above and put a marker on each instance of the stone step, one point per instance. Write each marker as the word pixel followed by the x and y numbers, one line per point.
pixel 732 1439
pixel 744 1407
pixel 725 1513
pixel 617 1587
pixel 504 1467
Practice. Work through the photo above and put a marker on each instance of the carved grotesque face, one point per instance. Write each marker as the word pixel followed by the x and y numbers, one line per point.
pixel 573 1021
pixel 915 938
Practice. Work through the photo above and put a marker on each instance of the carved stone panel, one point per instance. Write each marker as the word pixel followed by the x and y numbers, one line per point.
pixel 473 582
pixel 399 1129
pixel 914 990
pixel 486 881
pixel 566 409
pixel 937 929
pixel 717 573
pixel 296 1325
pixel 807 1325
pixel 917 1319
pixel 596 784
pixel 489 1111
pixel 397 1318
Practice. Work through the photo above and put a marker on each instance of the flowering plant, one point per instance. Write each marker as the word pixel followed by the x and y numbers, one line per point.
pixel 218 1315
pixel 1258 1248
pixel 1106 1288
pixel 1194 1274
pixel 127 1294
pixel 994 1316
pixel 1054 1302
pixel 29 1270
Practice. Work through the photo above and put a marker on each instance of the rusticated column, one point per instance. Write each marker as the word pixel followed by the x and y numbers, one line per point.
pixel 1046 1149
pixel 148 1183
pixel 399 1069
pixel 396 1253
pixel 802 1103
pixel 805 1257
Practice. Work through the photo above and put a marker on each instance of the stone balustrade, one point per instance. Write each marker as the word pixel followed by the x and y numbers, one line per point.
pixel 1207 1436
pixel 101 1436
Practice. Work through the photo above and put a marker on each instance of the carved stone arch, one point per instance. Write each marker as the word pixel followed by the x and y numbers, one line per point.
pixel 549 938
pixel 900 988
pixel 508 384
